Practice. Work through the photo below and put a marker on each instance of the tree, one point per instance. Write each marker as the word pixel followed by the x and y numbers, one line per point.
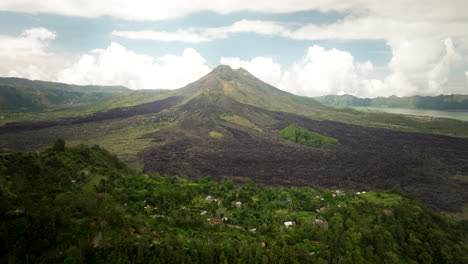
pixel 297 135
pixel 59 145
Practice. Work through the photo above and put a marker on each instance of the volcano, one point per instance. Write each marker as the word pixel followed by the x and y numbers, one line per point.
pixel 226 125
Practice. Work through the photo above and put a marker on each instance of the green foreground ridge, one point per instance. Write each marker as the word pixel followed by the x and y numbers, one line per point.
pixel 303 136
pixel 83 205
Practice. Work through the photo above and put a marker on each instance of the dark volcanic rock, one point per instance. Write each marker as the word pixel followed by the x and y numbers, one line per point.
pixel 122 112
pixel 366 158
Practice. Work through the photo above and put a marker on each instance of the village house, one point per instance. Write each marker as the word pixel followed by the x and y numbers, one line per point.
pixel 388 212
pixel 210 199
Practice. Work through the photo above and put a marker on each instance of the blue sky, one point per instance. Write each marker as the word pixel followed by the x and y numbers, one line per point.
pixel 308 49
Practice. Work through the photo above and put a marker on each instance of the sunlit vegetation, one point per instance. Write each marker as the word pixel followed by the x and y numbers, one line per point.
pixel 216 135
pixel 241 121
pixel 82 205
pixel 300 135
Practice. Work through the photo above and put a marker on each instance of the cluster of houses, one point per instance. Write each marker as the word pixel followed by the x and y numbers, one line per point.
pixel 287 224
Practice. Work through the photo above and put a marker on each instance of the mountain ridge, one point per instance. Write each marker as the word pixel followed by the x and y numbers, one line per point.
pixel 440 102
pixel 15 81
pixel 19 95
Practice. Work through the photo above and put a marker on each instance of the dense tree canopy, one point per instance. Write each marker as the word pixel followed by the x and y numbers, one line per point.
pixel 82 205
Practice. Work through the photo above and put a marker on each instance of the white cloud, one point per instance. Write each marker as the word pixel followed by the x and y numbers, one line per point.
pixel 429 10
pixel 320 72
pixel 117 65
pixel 263 68
pixel 195 35
pixel 414 71
pixel 421 67
pixel 332 71
pixel 161 10
pixel 27 55
pixel 31 42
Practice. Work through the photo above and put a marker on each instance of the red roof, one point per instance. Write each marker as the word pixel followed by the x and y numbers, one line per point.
pixel 215 220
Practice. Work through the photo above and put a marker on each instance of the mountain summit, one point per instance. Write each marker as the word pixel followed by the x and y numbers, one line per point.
pixel 245 88
pixel 228 72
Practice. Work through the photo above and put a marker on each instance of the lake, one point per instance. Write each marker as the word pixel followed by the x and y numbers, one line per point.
pixel 454 114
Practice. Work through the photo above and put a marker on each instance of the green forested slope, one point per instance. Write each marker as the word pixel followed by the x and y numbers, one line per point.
pixel 19 95
pixel 81 205
pixel 20 82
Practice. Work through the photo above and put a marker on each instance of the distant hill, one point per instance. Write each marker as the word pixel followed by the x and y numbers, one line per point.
pixel 441 102
pixel 17 94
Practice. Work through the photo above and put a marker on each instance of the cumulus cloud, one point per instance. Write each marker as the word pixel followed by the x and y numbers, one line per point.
pixel 116 65
pixel 413 71
pixel 332 71
pixel 27 55
pixel 320 72
pixel 31 42
pixel 421 66
pixel 263 68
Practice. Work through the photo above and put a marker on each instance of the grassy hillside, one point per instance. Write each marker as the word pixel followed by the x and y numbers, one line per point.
pixel 23 95
pixel 81 205
pixel 20 99
pixel 441 102
pixel 20 82
pixel 98 103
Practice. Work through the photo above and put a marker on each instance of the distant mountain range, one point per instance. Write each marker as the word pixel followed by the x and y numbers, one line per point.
pixel 441 102
pixel 17 94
